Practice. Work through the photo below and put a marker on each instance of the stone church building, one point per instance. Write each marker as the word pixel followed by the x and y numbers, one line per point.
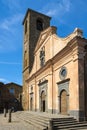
pixel 54 68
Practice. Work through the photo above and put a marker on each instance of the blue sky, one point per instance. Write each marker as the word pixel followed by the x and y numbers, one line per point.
pixel 66 16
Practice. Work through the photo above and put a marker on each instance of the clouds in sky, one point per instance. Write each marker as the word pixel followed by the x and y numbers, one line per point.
pixel 57 8
pixel 4 80
pixel 12 5
pixel 11 26
pixel 11 22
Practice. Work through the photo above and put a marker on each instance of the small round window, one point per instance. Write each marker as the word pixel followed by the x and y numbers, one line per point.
pixel 63 73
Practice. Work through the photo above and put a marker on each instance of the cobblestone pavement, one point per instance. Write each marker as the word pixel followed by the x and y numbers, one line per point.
pixel 16 124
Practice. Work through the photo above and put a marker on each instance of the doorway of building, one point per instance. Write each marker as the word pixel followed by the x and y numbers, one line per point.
pixel 31 104
pixel 63 102
pixel 43 102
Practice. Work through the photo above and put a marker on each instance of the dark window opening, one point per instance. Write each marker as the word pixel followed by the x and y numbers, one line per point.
pixel 39 25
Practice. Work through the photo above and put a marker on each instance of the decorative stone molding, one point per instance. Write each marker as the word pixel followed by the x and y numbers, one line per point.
pixel 78 32
pixel 63 73
pixel 63 85
pixel 43 86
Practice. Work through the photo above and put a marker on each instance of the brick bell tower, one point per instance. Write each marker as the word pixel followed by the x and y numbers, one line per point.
pixel 34 22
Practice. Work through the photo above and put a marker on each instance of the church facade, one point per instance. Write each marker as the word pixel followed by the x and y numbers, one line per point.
pixel 54 68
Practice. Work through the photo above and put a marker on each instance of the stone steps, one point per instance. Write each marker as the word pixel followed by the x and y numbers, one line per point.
pixel 34 120
pixel 70 125
pixel 39 126
pixel 41 121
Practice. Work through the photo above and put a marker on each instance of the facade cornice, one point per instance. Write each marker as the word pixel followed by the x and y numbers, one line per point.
pixel 42 69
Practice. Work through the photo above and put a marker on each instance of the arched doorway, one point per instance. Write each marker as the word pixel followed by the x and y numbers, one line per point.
pixel 63 102
pixel 43 102
pixel 31 104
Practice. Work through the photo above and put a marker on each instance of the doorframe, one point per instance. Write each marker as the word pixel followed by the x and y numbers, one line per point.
pixel 43 86
pixel 63 85
pixel 43 101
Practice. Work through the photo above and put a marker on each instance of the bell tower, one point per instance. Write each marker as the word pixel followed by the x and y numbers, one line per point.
pixel 34 22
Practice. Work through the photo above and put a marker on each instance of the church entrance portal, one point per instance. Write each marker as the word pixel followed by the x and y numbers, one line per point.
pixel 63 102
pixel 43 102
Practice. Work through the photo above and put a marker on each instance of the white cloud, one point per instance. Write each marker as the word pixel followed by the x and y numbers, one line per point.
pixel 57 8
pixel 12 4
pixel 10 33
pixel 4 80
pixel 10 22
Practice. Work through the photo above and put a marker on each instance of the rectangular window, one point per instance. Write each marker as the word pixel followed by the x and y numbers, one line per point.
pixel 11 90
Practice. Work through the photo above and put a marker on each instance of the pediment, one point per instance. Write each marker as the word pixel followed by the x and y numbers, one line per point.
pixel 44 35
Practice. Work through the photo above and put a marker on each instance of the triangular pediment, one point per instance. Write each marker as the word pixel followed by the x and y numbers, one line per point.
pixel 44 35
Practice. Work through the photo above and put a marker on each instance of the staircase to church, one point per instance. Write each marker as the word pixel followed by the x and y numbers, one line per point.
pixel 46 121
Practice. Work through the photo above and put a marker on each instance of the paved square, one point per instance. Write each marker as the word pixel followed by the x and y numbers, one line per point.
pixel 16 123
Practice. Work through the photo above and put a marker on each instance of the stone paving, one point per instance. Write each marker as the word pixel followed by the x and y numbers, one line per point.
pixel 16 124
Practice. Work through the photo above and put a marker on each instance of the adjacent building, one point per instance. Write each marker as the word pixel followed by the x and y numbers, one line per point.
pixel 10 96
pixel 4 96
pixel 54 68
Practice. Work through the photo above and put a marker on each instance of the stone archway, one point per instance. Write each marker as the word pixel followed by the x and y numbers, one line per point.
pixel 63 96
pixel 63 102
pixel 43 101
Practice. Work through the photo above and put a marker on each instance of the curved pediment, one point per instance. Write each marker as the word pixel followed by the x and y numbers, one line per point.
pixel 44 35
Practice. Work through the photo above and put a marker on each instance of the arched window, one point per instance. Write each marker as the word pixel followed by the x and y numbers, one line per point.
pixel 39 24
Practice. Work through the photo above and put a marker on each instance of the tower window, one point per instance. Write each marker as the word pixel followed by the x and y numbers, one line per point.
pixel 39 25
pixel 26 26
